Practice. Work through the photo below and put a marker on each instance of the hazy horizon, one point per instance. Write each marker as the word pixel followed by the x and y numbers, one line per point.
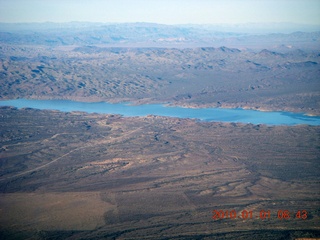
pixel 174 12
pixel 243 28
pixel 168 24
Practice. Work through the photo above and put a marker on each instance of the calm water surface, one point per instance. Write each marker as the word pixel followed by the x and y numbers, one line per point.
pixel 204 114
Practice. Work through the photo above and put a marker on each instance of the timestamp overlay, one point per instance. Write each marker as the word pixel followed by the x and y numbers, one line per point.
pixel 286 217
pixel 218 214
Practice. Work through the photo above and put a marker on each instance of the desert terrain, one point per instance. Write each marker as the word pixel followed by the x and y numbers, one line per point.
pixel 206 69
pixel 91 176
pixel 200 77
pixel 74 175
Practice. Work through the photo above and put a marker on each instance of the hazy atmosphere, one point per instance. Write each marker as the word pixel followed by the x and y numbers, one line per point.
pixel 158 120
pixel 162 11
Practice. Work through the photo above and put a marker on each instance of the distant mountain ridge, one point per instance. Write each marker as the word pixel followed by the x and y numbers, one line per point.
pixel 149 35
pixel 249 28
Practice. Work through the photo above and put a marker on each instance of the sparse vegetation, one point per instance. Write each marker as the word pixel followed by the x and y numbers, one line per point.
pixel 218 77
pixel 89 176
pixel 153 176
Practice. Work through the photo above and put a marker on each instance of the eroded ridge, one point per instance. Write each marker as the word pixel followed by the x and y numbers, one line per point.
pixel 103 176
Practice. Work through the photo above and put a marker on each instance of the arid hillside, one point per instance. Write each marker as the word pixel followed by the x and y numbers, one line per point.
pixel 90 176
pixel 74 175
pixel 198 77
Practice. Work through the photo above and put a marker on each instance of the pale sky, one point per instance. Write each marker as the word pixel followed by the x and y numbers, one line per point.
pixel 162 11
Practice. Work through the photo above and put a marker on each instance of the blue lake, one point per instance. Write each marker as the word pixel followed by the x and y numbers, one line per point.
pixel 204 114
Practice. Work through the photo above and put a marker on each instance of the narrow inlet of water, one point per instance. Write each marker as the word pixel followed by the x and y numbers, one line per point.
pixel 203 114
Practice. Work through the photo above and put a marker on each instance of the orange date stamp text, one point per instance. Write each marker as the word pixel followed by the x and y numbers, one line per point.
pixel 262 214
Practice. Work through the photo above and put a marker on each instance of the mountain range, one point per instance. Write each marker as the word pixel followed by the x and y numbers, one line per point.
pixel 159 35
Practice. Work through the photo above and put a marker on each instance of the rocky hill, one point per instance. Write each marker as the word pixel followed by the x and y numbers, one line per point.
pixel 197 77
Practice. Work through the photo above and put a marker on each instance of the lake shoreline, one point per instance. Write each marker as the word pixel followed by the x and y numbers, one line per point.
pixel 131 109
pixel 137 102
